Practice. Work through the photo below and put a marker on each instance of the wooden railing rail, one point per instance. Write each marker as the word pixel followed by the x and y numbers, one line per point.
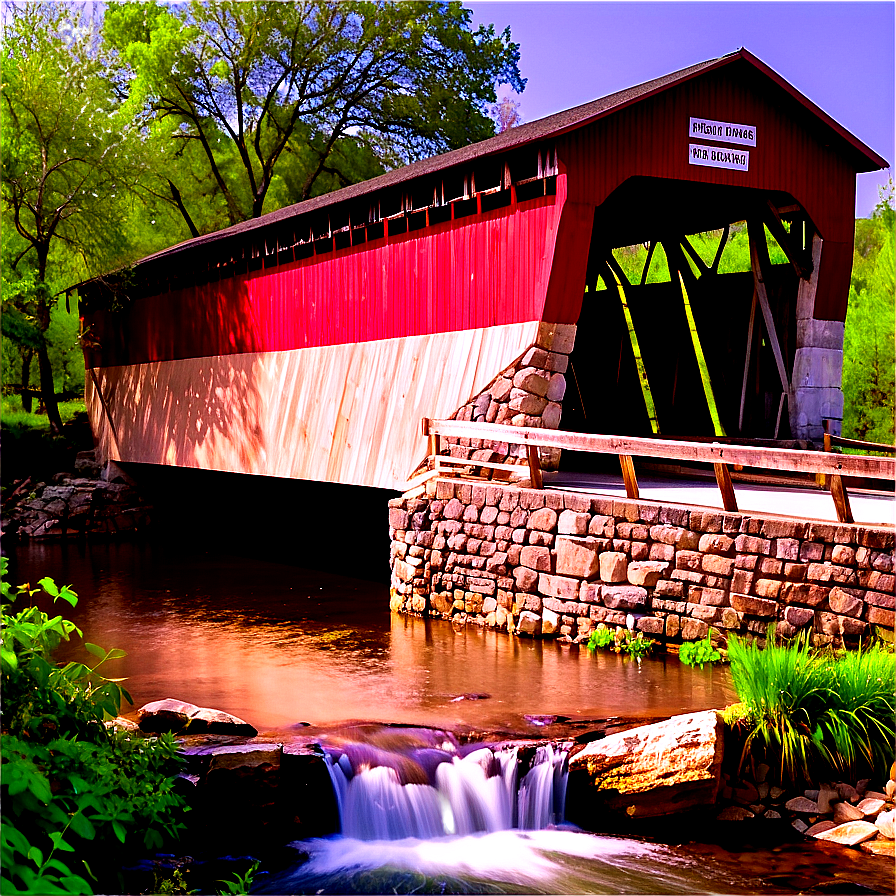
pixel 719 455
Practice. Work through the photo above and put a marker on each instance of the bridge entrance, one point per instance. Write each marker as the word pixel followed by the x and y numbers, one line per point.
pixel 673 338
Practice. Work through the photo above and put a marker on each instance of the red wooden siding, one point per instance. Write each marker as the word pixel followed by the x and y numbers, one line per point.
pixel 651 139
pixel 478 271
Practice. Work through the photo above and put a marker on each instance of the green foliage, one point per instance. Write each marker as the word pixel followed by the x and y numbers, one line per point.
pixel 869 343
pixel 235 94
pixel 697 653
pixel 621 641
pixel 812 714
pixel 75 794
pixel 240 884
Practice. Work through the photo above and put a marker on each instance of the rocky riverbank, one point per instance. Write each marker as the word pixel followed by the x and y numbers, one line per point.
pixel 93 499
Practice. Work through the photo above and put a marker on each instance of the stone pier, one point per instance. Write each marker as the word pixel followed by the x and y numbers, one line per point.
pixel 554 564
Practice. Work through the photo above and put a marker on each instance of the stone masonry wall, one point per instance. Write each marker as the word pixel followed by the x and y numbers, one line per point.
pixel 528 393
pixel 555 564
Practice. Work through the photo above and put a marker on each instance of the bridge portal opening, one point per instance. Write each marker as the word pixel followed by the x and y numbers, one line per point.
pixel 673 339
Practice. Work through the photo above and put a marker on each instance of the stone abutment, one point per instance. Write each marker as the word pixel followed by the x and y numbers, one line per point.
pixel 555 564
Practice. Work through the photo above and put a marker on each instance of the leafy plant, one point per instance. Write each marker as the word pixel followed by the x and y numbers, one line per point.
pixel 239 884
pixel 635 645
pixel 698 653
pixel 811 714
pixel 75 793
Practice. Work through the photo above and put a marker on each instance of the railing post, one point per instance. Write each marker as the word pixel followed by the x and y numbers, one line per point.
pixel 723 479
pixel 434 447
pixel 534 466
pixel 628 476
pixel 841 499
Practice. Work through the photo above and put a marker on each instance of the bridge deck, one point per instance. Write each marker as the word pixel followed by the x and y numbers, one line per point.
pixel 870 507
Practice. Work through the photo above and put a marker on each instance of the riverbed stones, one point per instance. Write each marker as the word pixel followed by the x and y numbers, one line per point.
pixel 177 717
pixel 653 770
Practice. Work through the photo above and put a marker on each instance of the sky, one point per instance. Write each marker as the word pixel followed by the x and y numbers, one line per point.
pixel 838 54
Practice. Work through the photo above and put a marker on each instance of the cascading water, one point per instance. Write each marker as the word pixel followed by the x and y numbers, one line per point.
pixel 432 792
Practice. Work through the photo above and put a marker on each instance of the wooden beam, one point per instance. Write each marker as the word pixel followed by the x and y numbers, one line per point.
pixel 723 479
pixel 783 459
pixel 647 263
pixel 628 476
pixel 760 265
pixel 743 391
pixel 841 500
pixel 776 228
pixel 534 466
pixel 685 244
pixel 714 267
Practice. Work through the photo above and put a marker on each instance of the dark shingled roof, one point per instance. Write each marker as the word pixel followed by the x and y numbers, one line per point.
pixel 552 126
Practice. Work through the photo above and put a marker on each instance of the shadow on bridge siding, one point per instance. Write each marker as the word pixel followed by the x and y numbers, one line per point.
pixel 172 396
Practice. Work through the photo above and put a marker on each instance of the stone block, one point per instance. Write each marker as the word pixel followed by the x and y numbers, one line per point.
pixel 398 518
pixel 673 625
pixel 613 566
pixel 551 415
pixel 556 387
pixel 692 560
pixel 529 623
pixel 803 593
pixel 528 379
pixel 750 544
pixel 845 603
pixel 544 520
pixel 811 551
pixel 550 623
pixel 843 555
pixel 767 588
pixel 716 565
pixel 715 544
pixel 666 588
pixel 589 592
pixel 681 538
pixel 646 573
pixel 577 557
pixel 877 599
pixel 693 629
pixel 526 579
pixel 536 557
pixel 557 338
pixel 558 586
pixel 787 548
pixel 651 625
pixel 602 526
pixel 798 616
pixel 754 606
pixel 772 528
pixel 880 616
pixel 665 552
pixel 622 597
pixel 572 523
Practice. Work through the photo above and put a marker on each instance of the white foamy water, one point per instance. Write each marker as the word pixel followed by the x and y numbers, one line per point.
pixel 547 861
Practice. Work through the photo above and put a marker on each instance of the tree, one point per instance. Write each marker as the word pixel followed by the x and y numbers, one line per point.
pixel 869 365
pixel 244 86
pixel 63 152
pixel 507 114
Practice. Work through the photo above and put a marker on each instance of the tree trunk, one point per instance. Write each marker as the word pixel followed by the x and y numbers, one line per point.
pixel 27 400
pixel 48 390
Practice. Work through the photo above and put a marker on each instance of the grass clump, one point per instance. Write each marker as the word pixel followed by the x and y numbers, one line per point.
pixel 813 715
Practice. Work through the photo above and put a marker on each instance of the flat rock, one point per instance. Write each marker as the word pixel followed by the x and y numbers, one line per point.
pixel 871 807
pixel 820 828
pixel 850 834
pixel 653 770
pixel 802 805
pixel 885 823
pixel 879 847
pixel 177 717
pixel 734 813
pixel 844 812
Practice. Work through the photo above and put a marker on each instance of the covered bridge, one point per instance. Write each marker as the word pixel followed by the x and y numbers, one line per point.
pixel 310 342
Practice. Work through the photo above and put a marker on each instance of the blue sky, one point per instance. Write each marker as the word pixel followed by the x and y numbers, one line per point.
pixel 840 55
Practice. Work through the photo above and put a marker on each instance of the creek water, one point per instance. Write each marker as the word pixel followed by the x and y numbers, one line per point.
pixel 291 650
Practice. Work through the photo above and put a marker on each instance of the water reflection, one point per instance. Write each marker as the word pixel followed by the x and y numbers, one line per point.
pixel 275 644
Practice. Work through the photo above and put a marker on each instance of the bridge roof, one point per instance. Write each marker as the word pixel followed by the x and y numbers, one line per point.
pixel 860 156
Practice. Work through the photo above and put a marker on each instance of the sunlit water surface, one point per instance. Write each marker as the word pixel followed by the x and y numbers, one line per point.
pixel 277 644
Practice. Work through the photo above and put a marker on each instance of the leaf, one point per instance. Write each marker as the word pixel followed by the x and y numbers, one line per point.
pixel 49 586
pixel 36 856
pixel 82 826
pixel 95 650
pixel 59 843
pixel 119 829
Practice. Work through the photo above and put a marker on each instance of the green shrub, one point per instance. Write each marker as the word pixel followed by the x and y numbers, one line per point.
pixel 626 641
pixel 697 653
pixel 75 794
pixel 812 715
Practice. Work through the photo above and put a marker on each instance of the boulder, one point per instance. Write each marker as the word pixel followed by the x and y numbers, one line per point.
pixel 653 770
pixel 850 834
pixel 177 717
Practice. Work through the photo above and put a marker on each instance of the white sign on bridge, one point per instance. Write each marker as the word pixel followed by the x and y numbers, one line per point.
pixel 722 131
pixel 719 157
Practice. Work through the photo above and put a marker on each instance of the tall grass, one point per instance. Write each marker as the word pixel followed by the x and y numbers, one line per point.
pixel 815 715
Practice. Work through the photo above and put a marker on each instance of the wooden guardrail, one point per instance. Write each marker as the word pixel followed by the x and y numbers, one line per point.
pixel 833 466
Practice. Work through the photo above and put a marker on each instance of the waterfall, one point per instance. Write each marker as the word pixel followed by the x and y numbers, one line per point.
pixel 436 793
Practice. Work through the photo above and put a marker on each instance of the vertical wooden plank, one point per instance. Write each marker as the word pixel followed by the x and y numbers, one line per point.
pixel 841 499
pixel 628 476
pixel 534 466
pixel 723 479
